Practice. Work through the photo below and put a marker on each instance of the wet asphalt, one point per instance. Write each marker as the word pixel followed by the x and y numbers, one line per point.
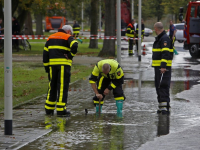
pixel 139 127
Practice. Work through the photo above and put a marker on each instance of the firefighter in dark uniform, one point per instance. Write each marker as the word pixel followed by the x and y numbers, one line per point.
pixel 172 33
pixel 106 76
pixel 76 29
pixel 58 53
pixel 130 33
pixel 162 62
pixel 142 34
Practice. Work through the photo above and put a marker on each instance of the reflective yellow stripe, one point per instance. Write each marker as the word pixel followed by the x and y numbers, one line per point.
pixel 158 62
pixel 97 102
pixel 50 74
pixel 59 47
pixel 61 84
pixel 94 74
pixel 100 82
pixel 61 109
pixel 76 32
pixel 51 103
pixel 49 108
pixel 119 98
pixel 130 50
pixel 76 28
pixel 163 60
pixel 92 81
pixel 113 86
pixel 74 41
pixel 171 50
pixel 46 64
pixel 156 50
pixel 60 61
pixel 165 49
pixel 73 54
pixel 60 104
pixel 129 35
pixel 46 49
pixel 162 104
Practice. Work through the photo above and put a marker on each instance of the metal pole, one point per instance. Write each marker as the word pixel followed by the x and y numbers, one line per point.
pixel 119 31
pixel 100 18
pixel 139 31
pixel 82 17
pixel 7 68
pixel 132 10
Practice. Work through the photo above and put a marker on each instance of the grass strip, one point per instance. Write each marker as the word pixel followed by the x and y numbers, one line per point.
pixel 30 80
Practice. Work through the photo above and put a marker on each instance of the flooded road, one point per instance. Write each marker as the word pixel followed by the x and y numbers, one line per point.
pixel 139 124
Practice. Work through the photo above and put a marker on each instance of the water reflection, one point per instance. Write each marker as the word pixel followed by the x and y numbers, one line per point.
pixel 163 125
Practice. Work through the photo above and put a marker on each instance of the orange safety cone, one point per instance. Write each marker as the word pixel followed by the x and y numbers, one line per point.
pixel 144 53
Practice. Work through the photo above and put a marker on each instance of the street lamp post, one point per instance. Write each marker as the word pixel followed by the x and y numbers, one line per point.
pixel 99 18
pixel 8 114
pixel 119 31
pixel 139 31
pixel 132 10
pixel 82 18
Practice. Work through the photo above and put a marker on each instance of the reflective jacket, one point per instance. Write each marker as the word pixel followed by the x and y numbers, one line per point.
pixel 116 73
pixel 76 28
pixel 130 30
pixel 57 45
pixel 162 51
pixel 137 29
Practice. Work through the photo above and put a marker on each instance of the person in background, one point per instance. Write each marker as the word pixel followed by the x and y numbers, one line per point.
pixel 1 32
pixel 15 31
pixel 130 33
pixel 76 30
pixel 1 27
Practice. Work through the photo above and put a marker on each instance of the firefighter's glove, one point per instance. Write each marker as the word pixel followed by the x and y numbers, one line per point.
pixel 47 69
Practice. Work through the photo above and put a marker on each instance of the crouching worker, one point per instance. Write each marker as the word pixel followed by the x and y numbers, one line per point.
pixel 106 76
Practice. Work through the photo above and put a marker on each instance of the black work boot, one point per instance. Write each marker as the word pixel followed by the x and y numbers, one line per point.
pixel 49 112
pixel 63 113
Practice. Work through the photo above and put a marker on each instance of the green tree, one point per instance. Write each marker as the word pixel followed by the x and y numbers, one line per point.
pixel 40 9
pixel 172 7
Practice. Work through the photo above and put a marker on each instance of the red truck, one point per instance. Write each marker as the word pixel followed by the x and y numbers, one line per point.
pixel 192 28
pixel 55 17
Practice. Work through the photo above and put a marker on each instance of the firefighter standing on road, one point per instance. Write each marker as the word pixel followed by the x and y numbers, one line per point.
pixel 108 75
pixel 58 53
pixel 76 29
pixel 172 33
pixel 130 33
pixel 142 34
pixel 162 62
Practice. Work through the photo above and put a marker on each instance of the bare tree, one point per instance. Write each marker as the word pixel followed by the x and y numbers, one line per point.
pixel 94 23
pixel 110 28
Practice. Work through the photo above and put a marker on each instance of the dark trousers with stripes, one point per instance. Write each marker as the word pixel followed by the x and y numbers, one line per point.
pixel 163 91
pixel 59 79
pixel 102 84
pixel 130 46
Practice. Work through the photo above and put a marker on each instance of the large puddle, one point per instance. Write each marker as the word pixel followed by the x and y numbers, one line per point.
pixel 140 122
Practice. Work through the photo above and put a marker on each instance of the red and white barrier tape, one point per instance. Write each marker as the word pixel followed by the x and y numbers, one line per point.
pixel 104 38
